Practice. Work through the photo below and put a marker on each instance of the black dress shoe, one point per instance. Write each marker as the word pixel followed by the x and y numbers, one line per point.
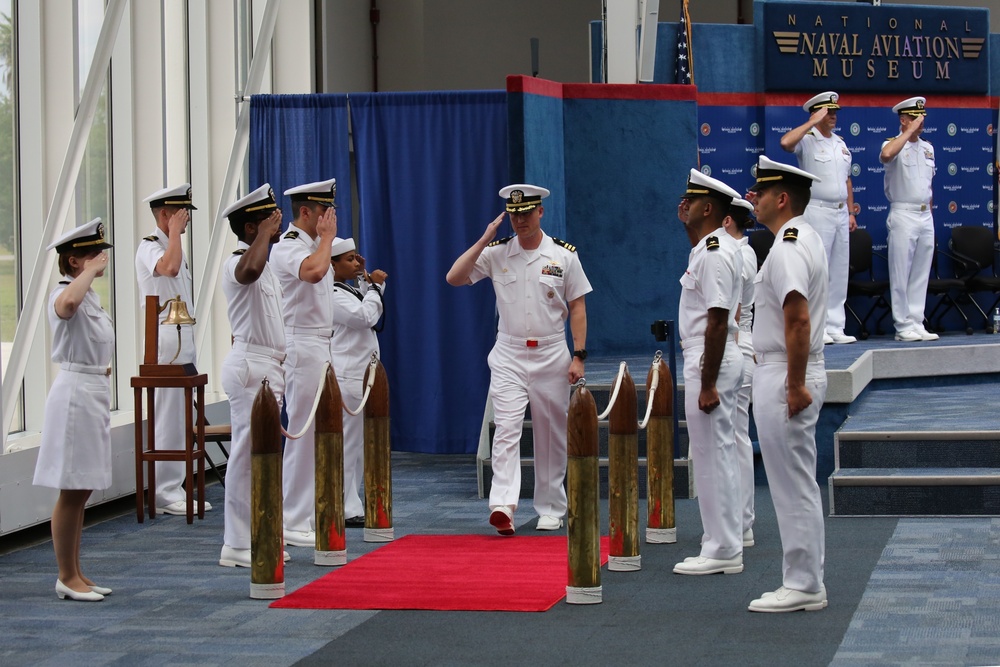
pixel 355 522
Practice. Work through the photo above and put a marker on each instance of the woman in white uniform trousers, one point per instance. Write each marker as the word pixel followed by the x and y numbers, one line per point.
pixel 75 453
pixel 356 311
pixel 253 296
pixel 736 223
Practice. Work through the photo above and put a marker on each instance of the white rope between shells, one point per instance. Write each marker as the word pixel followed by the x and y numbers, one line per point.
pixel 652 389
pixel 372 365
pixel 312 412
pixel 614 394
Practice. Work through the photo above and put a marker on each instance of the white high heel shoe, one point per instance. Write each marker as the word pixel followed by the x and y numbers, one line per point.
pixel 64 591
pixel 100 590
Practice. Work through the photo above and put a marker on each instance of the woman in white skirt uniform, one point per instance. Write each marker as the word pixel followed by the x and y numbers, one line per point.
pixel 75 454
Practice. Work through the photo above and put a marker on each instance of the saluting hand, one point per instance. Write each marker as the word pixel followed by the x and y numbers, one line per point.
pixel 270 226
pixel 327 223
pixel 97 263
pixel 178 222
pixel 491 229
pixel 818 115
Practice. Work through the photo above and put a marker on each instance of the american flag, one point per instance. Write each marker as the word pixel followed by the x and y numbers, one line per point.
pixel 684 69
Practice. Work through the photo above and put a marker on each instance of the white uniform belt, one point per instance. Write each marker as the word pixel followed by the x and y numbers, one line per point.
pixel 825 204
pixel 322 332
pixel 771 357
pixel 903 206
pixel 85 368
pixel 699 341
pixel 531 342
pixel 261 350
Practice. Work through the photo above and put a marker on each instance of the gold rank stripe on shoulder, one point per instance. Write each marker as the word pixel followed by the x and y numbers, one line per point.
pixel 500 241
pixel 239 251
pixel 564 244
pixel 712 243
pixel 148 238
pixel 791 234
pixel 291 235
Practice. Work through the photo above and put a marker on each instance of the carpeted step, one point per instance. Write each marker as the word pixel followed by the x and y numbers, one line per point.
pixel 939 491
pixel 918 450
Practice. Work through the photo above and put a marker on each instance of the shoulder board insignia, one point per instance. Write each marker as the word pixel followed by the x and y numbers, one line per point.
pixel 149 238
pixel 712 243
pixel 564 244
pixel 239 251
pixel 291 235
pixel 64 282
pixel 791 234
pixel 500 241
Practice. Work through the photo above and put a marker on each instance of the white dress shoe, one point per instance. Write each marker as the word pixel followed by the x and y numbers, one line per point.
pixel 64 591
pixel 231 557
pixel 299 538
pixel 179 508
pixel 927 335
pixel 748 540
pixel 840 338
pixel 701 565
pixel 787 599
pixel 101 590
pixel 827 339
pixel 549 522
pixel 909 336
pixel 502 518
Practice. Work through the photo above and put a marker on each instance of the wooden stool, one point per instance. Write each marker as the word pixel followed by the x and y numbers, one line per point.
pixel 194 449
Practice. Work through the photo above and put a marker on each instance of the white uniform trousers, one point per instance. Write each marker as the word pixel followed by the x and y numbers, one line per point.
pixel 352 390
pixel 911 251
pixel 169 416
pixel 833 226
pixel 303 373
pixel 713 452
pixel 788 447
pixel 744 446
pixel 242 373
pixel 537 376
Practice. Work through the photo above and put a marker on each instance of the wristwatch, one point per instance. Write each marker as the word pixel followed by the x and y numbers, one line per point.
pixel 580 354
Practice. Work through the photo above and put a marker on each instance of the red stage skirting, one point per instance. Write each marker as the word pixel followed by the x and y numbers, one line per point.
pixel 447 572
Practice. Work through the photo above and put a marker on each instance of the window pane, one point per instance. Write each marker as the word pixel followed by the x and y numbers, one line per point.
pixel 9 265
pixel 93 185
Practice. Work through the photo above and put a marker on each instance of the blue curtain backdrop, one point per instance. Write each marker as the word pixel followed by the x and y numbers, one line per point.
pixel 296 139
pixel 429 166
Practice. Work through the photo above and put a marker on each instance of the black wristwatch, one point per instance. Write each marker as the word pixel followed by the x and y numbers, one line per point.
pixel 580 354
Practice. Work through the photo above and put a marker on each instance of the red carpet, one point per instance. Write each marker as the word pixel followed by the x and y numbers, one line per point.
pixel 447 572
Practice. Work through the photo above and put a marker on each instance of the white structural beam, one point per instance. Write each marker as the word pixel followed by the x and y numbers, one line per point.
pixel 620 36
pixel 55 221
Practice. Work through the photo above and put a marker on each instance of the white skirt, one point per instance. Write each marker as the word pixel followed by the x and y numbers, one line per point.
pixel 76 438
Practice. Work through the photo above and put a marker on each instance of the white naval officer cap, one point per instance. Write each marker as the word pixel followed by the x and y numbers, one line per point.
pixel 740 202
pixel 827 100
pixel 700 185
pixel 913 106
pixel 340 246
pixel 178 195
pixel 243 209
pixel 89 236
pixel 320 192
pixel 770 172
pixel 523 197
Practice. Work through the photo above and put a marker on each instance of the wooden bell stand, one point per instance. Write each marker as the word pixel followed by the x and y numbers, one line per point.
pixel 152 376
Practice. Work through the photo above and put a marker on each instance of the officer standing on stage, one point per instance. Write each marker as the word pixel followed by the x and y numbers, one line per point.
pixel 253 296
pixel 301 262
pixel 161 269
pixel 909 169
pixel 822 152
pixel 789 384
pixel 539 284
pixel 713 369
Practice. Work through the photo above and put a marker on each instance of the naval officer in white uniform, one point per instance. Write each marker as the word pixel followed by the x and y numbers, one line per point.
pixel 301 262
pixel 789 383
pixel 909 170
pixel 539 284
